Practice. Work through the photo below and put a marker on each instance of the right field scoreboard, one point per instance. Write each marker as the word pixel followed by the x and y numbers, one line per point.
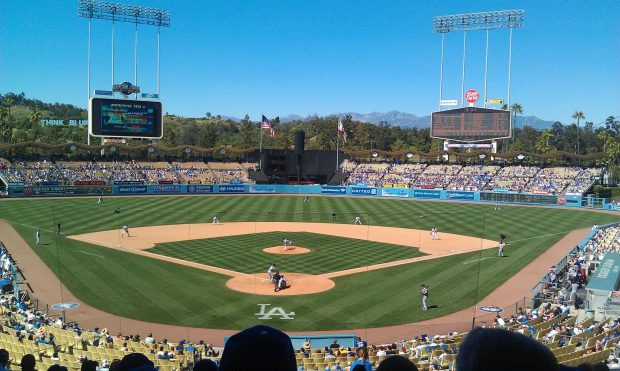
pixel 471 124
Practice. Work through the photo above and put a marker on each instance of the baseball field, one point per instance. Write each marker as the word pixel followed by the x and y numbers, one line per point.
pixel 178 268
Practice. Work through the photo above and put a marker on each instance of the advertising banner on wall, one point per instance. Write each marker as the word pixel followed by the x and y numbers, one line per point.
pixel 363 191
pixel 231 189
pixel 132 189
pixel 424 193
pixel 66 190
pixel 457 195
pixel 166 188
pixel 262 189
pixel 200 188
pixel 395 192
pixel 334 190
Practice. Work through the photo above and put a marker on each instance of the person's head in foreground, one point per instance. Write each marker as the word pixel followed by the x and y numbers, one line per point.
pixel 490 349
pixel 258 348
pixel 396 363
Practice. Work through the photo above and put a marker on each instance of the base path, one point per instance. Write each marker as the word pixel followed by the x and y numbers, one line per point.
pixel 48 290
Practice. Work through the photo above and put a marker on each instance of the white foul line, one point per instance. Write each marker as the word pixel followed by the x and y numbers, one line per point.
pixel 89 253
pixel 473 261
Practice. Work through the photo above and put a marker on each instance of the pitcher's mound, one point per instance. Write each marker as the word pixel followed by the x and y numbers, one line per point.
pixel 299 284
pixel 292 250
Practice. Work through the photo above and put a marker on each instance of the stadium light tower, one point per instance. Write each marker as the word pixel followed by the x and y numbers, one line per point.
pixel 123 13
pixel 473 22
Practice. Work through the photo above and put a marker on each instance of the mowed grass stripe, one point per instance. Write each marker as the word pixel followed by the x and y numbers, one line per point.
pixel 328 254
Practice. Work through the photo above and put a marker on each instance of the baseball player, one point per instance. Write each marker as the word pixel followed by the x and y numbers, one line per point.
pixel 497 207
pixel 424 293
pixel 37 237
pixel 100 200
pixel 434 235
pixel 358 220
pixel 125 230
pixel 58 229
pixel 273 269
pixel 306 198
pixel 216 220
pixel 502 244
pixel 287 243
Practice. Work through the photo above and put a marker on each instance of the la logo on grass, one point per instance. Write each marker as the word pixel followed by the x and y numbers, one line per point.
pixel 275 311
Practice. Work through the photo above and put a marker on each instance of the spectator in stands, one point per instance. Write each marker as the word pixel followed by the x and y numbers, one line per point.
pixel 149 339
pixel 136 361
pixel 4 359
pixel 205 365
pixel 248 350
pixel 334 344
pixel 28 363
pixel 89 365
pixel 497 349
pixel 362 359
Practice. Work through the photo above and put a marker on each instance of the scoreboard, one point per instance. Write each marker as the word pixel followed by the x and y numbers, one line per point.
pixel 125 118
pixel 471 124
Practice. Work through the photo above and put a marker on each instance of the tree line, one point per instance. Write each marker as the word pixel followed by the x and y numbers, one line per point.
pixel 20 122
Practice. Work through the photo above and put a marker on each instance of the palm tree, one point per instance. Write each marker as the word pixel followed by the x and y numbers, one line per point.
pixel 35 117
pixel 515 108
pixel 8 102
pixel 578 115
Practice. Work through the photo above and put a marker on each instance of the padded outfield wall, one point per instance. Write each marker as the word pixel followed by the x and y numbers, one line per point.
pixel 137 188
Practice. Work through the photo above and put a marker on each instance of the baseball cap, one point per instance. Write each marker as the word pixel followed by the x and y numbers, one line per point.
pixel 248 349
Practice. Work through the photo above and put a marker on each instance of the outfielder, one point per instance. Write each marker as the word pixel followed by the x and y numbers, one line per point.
pixel 434 235
pixel 497 207
pixel 358 220
pixel 37 237
pixel 306 198
pixel 287 243
pixel 216 220
pixel 100 200
pixel 125 230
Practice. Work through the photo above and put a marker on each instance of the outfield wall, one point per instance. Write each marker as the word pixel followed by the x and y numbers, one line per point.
pixel 137 188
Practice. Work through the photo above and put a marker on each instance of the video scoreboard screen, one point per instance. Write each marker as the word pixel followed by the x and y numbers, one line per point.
pixel 471 124
pixel 125 118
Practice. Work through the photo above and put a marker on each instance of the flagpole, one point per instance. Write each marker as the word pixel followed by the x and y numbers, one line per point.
pixel 337 144
pixel 260 150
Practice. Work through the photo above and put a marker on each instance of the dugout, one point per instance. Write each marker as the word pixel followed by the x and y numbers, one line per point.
pixel 603 282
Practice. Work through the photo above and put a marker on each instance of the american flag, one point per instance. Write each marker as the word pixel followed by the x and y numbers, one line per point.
pixel 266 125
pixel 341 130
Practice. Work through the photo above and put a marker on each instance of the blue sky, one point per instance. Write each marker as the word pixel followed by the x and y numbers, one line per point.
pixel 324 56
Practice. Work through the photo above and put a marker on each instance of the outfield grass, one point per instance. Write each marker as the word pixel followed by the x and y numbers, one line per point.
pixel 328 253
pixel 158 291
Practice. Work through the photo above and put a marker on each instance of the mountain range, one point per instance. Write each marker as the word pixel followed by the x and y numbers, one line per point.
pixel 408 120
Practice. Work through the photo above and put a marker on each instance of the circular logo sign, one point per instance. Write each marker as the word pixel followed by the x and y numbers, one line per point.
pixel 490 309
pixel 65 306
pixel 472 95
pixel 126 88
pixel 561 200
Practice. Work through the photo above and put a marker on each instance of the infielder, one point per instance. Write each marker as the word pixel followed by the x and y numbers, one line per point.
pixel 37 237
pixel 216 220
pixel 287 243
pixel 358 220
pixel 125 230
pixel 502 244
pixel 424 293
pixel 434 235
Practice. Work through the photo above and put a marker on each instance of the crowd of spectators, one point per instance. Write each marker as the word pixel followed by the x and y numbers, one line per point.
pixel 473 177
pixel 519 178
pixel 126 171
